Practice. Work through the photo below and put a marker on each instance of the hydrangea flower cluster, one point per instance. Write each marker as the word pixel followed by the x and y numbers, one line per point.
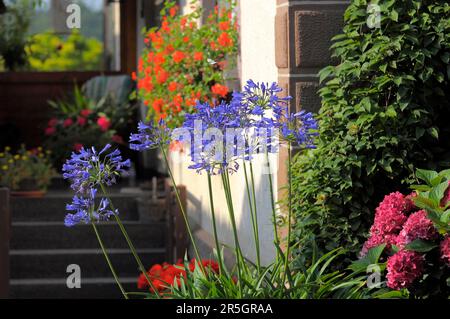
pixel 445 250
pixel 398 222
pixel 88 170
pixel 165 275
pixel 404 268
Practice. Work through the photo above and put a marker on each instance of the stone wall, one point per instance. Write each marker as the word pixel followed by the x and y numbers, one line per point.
pixel 303 32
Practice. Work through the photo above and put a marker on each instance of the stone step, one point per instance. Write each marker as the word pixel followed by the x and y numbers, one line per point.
pixel 51 263
pixel 54 235
pixel 52 207
pixel 92 288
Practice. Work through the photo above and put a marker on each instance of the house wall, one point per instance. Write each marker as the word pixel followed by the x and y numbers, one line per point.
pixel 257 62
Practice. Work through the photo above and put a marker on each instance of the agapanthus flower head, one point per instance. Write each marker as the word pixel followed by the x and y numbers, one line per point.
pixel 150 136
pixel 403 268
pixel 299 128
pixel 417 226
pixel 215 138
pixel 88 168
pixel 262 103
pixel 445 250
pixel 84 210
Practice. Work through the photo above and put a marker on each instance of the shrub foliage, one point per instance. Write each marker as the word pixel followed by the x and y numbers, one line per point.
pixel 385 108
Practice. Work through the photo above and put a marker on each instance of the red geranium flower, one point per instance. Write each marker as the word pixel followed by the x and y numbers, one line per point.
pixel 220 90
pixel 158 104
pixel 162 77
pixel 50 130
pixel 77 147
pixel 53 121
pixel 67 122
pixel 104 123
pixel 225 40
pixel 198 56
pixel 224 25
pixel 117 139
pixel 173 86
pixel 81 121
pixel 178 56
pixel 85 112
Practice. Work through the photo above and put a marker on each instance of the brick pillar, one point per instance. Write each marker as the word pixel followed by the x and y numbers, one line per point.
pixel 303 30
pixel 4 242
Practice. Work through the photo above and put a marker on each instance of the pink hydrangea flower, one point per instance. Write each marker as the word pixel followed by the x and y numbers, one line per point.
pixel 376 240
pixel 445 250
pixel 389 215
pixel 446 197
pixel 418 226
pixel 403 268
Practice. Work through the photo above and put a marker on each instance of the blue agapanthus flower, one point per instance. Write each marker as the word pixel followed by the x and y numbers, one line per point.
pixel 150 136
pixel 83 209
pixel 215 137
pixel 88 168
pixel 300 128
pixel 262 103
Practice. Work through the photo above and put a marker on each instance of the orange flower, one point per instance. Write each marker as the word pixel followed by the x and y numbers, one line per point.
pixel 213 45
pixel 133 76
pixel 173 11
pixel 220 90
pixel 177 56
pixel 186 39
pixel 178 100
pixel 157 105
pixel 183 21
pixel 165 26
pixel 159 58
pixel 224 26
pixel 225 40
pixel 198 56
pixel 162 77
pixel 173 86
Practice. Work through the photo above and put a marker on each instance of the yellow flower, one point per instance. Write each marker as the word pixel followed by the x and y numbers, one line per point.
pixel 2 154
pixel 40 148
pixel 17 157
pixel 41 155
pixel 24 158
pixel 5 167
pixel 10 161
pixel 48 152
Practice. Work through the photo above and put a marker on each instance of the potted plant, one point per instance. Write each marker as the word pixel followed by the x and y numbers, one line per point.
pixel 26 172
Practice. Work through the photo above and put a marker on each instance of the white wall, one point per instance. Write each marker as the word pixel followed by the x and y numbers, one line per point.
pixel 257 62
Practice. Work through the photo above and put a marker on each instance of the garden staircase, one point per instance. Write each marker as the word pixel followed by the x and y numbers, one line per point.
pixel 42 248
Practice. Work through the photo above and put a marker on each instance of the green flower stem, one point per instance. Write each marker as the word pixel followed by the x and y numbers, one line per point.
pixel 109 261
pixel 253 212
pixel 185 217
pixel 131 245
pixel 214 225
pixel 229 199
pixel 288 246
pixel 276 240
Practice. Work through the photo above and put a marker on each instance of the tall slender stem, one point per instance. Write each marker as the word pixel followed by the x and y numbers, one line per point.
pixel 185 217
pixel 131 245
pixel 288 242
pixel 276 239
pixel 116 278
pixel 229 199
pixel 253 214
pixel 214 225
